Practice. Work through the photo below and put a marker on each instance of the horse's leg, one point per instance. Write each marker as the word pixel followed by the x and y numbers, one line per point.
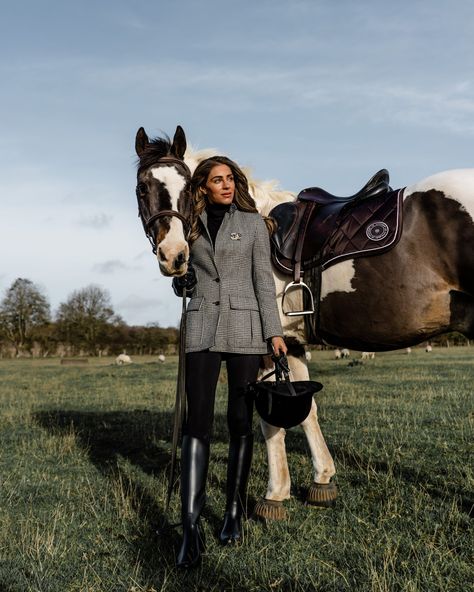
pixel 271 506
pixel 322 492
pixel 278 489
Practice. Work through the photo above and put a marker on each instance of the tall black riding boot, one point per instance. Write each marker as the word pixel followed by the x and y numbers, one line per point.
pixel 194 465
pixel 238 468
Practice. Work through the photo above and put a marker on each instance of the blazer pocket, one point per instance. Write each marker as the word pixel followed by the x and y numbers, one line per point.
pixel 195 303
pixel 245 328
pixel 194 323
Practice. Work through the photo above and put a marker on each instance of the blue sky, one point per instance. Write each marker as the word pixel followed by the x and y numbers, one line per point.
pixel 307 92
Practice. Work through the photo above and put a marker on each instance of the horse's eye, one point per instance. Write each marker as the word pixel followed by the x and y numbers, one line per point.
pixel 142 188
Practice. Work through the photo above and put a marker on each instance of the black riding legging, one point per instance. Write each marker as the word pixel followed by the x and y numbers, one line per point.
pixel 202 373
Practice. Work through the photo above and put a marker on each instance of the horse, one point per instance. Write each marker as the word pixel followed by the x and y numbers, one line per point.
pixel 428 291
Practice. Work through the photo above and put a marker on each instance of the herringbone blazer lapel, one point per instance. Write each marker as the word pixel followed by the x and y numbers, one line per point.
pixel 231 225
pixel 209 248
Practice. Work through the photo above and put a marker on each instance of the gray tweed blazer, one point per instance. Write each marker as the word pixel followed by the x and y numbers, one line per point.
pixel 233 306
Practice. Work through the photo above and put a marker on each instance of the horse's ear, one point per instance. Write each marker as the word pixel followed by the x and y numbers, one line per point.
pixel 178 148
pixel 141 141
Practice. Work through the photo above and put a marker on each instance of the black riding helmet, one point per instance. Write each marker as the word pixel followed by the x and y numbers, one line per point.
pixel 283 403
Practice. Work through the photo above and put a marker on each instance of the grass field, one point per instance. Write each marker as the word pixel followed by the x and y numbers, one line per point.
pixel 82 466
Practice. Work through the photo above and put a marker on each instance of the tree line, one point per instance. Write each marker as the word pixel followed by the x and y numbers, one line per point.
pixel 85 324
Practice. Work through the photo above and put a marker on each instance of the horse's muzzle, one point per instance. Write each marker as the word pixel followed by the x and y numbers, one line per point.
pixel 173 270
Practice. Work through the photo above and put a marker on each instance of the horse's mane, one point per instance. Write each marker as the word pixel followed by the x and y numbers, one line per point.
pixel 155 149
pixel 266 194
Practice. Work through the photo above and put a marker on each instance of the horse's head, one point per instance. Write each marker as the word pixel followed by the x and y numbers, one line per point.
pixel 164 200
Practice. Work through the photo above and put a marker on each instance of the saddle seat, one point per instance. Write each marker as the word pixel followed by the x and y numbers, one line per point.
pixel 377 185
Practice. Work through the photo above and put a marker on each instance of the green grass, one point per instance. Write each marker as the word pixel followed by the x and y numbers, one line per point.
pixel 84 452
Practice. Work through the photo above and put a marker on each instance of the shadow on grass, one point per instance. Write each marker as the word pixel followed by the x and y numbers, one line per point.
pixel 143 439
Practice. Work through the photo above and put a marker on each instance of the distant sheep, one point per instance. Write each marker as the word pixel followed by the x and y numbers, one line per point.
pixel 368 355
pixel 345 353
pixel 408 350
pixel 428 348
pixel 337 354
pixel 123 359
pixel 161 358
pixel 307 355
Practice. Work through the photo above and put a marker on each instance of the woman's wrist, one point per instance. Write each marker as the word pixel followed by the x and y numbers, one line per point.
pixel 278 345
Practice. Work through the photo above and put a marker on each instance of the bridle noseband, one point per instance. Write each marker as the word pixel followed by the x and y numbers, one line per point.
pixel 148 222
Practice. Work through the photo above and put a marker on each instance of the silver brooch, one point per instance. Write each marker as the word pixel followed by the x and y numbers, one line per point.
pixel 235 236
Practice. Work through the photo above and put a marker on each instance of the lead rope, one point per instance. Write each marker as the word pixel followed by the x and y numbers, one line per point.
pixel 179 415
pixel 180 402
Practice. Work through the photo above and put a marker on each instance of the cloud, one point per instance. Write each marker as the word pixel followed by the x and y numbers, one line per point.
pixel 112 266
pixel 138 303
pixel 97 221
pixel 142 255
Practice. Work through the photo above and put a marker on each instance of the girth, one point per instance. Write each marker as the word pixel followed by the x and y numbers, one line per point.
pixel 319 229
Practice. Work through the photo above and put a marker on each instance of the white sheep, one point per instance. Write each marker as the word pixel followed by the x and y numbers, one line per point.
pixel 123 359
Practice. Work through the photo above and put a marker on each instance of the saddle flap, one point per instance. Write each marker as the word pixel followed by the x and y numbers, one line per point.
pixel 373 227
pixel 287 216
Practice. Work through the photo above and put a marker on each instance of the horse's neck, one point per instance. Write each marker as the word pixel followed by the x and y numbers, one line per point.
pixel 193 157
pixel 267 196
pixel 265 193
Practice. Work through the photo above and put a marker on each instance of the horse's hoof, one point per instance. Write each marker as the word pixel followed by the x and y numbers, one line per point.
pixel 269 510
pixel 322 495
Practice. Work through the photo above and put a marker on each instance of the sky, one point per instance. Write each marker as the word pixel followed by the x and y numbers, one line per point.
pixel 307 92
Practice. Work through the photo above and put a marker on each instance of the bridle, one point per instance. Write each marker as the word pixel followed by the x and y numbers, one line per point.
pixel 148 222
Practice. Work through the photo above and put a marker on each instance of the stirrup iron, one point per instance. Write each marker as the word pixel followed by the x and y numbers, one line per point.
pixel 303 287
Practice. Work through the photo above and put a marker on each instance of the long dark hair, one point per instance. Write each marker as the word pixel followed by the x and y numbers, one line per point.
pixel 242 198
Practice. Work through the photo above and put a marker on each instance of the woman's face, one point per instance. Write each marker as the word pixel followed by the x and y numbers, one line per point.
pixel 220 185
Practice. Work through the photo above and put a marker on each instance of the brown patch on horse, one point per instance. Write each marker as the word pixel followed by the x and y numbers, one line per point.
pixel 404 297
pixel 462 313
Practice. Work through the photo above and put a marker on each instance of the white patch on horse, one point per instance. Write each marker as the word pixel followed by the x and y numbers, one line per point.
pixel 174 183
pixel 172 180
pixel 338 278
pixel 457 184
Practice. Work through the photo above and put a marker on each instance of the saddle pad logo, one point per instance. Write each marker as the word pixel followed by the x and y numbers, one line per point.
pixel 235 236
pixel 377 231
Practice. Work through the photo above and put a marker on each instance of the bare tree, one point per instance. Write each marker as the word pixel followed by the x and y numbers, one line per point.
pixel 23 309
pixel 85 317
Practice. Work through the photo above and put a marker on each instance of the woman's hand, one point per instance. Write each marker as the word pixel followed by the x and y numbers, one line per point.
pixel 279 346
pixel 188 281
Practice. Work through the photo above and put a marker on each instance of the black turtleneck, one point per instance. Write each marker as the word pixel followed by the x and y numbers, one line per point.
pixel 215 215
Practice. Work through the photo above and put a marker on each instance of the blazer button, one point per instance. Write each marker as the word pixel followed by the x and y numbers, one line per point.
pixel 217 279
pixel 216 302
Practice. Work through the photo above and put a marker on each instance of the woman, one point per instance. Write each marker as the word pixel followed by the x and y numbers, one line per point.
pixel 232 316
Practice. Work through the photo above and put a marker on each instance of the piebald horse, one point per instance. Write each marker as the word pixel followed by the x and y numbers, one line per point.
pixel 421 288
